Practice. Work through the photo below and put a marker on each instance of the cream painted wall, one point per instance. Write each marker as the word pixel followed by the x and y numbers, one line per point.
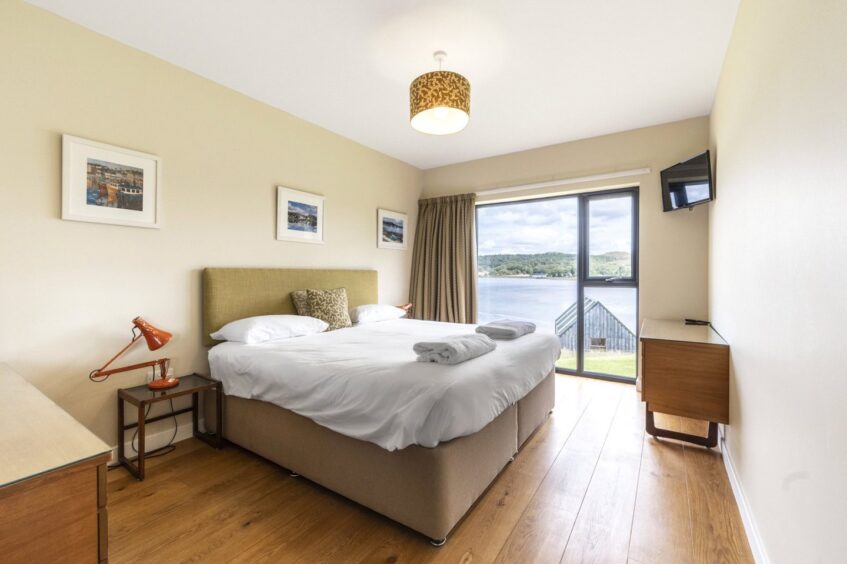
pixel 778 270
pixel 68 290
pixel 673 246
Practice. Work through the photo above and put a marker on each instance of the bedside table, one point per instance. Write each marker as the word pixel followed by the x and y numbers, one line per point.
pixel 685 372
pixel 142 396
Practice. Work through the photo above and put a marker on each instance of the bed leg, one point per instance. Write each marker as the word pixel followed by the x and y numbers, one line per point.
pixel 438 542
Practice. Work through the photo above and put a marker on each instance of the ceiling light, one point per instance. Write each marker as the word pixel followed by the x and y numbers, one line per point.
pixel 440 101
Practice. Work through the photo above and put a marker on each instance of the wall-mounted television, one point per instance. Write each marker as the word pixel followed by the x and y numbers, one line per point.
pixel 688 183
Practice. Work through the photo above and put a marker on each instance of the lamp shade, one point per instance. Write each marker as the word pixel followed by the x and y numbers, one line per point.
pixel 440 102
pixel 156 338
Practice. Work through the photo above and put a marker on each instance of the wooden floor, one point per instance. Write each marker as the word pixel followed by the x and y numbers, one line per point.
pixel 588 487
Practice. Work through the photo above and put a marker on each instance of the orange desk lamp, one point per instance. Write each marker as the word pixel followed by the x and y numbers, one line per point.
pixel 156 338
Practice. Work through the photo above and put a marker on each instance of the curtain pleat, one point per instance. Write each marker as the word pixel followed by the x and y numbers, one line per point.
pixel 443 282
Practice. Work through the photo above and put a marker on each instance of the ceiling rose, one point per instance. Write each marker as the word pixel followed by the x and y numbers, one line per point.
pixel 440 101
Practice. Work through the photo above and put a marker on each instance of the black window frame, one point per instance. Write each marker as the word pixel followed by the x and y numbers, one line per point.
pixel 585 281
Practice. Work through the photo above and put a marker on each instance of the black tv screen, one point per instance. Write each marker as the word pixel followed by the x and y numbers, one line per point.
pixel 688 183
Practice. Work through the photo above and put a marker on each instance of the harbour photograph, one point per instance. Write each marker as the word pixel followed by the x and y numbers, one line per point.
pixel 114 185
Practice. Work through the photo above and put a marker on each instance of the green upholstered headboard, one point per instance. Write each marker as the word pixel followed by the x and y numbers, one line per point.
pixel 236 293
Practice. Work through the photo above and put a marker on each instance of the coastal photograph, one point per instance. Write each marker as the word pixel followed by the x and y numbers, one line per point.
pixel 392 230
pixel 114 185
pixel 299 216
pixel 302 217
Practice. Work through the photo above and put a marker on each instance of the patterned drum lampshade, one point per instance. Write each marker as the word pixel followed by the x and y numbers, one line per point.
pixel 440 101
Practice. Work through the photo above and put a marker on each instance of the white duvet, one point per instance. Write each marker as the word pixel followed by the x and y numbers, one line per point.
pixel 364 382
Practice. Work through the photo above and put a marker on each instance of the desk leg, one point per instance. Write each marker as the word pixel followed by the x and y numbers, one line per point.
pixel 710 442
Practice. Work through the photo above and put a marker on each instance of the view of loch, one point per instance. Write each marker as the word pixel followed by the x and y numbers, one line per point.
pixel 542 300
pixel 302 217
pixel 528 262
pixel 392 230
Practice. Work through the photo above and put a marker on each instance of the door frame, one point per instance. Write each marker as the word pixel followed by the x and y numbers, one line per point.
pixel 582 278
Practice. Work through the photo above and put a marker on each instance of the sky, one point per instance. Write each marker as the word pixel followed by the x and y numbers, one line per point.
pixel 551 226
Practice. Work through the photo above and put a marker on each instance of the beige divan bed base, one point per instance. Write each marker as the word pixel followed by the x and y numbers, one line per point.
pixel 426 489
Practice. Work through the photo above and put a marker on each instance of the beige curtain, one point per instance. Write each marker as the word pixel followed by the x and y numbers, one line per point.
pixel 443 286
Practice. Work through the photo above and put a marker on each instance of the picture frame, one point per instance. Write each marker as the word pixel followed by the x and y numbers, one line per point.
pixel 392 229
pixel 299 216
pixel 104 183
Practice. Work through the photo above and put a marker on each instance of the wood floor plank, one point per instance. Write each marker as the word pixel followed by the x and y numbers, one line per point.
pixel 210 499
pixel 210 525
pixel 198 504
pixel 480 536
pixel 541 534
pixel 682 425
pixel 311 532
pixel 661 530
pixel 716 528
pixel 602 529
pixel 124 488
pixel 179 489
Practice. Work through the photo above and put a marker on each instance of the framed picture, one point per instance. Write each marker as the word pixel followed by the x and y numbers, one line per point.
pixel 391 229
pixel 299 216
pixel 107 184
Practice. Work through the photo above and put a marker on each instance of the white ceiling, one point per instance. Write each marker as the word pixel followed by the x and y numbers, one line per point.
pixel 541 71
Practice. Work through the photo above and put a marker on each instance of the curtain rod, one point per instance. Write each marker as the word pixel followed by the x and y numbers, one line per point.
pixel 565 181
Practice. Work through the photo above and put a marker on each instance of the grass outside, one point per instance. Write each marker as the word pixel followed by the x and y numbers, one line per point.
pixel 603 363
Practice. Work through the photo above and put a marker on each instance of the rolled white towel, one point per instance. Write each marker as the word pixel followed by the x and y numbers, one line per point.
pixel 454 349
pixel 506 329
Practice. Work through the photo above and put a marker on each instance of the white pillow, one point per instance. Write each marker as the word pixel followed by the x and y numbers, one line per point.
pixel 375 312
pixel 254 330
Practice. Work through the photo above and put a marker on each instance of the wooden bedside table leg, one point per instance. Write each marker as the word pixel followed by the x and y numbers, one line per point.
pixel 121 453
pixel 194 430
pixel 140 459
pixel 219 412
pixel 212 439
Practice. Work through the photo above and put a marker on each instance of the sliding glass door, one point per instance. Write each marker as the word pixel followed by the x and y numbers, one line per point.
pixel 569 264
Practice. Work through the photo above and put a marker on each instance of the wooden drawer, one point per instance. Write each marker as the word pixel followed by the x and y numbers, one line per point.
pixel 687 379
pixel 54 517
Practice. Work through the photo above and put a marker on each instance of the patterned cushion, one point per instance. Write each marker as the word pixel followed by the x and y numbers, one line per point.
pixel 301 302
pixel 330 306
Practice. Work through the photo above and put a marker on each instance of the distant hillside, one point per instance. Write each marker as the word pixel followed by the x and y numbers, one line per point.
pixel 615 263
pixel 554 265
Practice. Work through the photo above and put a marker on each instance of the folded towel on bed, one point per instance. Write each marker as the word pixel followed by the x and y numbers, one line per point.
pixel 454 349
pixel 506 329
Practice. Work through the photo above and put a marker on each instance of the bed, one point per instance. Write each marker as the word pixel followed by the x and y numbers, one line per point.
pixel 412 462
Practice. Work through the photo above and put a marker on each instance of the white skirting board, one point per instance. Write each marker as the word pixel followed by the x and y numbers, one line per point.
pixel 757 547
